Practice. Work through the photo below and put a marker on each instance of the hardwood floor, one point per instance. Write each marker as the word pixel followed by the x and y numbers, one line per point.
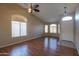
pixel 44 46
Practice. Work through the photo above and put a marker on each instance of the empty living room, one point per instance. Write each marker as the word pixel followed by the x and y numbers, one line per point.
pixel 39 29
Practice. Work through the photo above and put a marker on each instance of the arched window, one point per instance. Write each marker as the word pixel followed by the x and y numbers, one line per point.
pixel 18 26
pixel 53 28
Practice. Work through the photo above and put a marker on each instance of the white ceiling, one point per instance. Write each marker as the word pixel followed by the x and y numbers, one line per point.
pixel 52 12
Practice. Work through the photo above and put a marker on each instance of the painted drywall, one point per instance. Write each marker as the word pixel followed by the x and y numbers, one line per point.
pixel 77 29
pixel 66 30
pixel 34 25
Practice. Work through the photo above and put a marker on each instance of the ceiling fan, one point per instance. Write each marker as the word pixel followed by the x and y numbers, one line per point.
pixel 33 8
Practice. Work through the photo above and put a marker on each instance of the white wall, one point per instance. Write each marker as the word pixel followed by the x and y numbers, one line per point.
pixel 77 29
pixel 66 30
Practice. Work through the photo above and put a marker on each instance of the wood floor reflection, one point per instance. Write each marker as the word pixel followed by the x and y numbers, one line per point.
pixel 44 46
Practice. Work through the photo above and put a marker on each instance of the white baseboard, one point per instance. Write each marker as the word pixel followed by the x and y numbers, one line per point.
pixel 77 49
pixel 12 43
pixel 17 42
pixel 67 43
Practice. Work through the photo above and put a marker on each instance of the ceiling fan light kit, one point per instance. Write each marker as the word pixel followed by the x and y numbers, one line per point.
pixel 30 8
pixel 66 17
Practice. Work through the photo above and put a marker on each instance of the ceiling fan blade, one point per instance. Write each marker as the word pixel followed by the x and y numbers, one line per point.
pixel 36 10
pixel 36 6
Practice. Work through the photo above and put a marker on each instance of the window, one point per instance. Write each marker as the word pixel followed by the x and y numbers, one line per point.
pixel 23 29
pixel 18 29
pixel 46 28
pixel 53 28
pixel 15 29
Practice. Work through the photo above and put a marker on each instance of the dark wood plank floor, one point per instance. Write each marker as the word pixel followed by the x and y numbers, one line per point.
pixel 44 46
